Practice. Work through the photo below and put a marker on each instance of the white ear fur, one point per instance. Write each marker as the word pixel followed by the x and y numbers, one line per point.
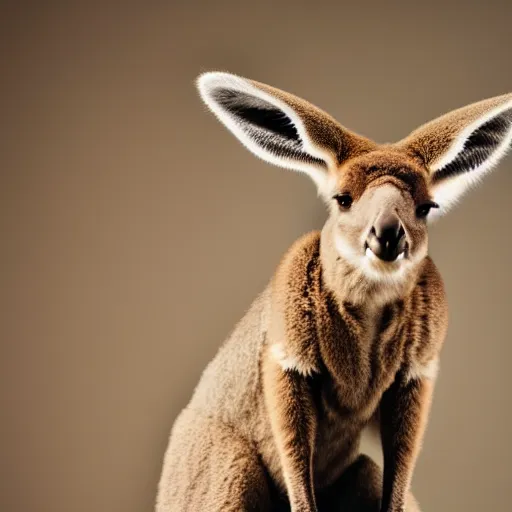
pixel 234 100
pixel 476 150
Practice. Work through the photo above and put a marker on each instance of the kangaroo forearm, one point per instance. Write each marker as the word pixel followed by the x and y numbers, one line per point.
pixel 404 412
pixel 293 421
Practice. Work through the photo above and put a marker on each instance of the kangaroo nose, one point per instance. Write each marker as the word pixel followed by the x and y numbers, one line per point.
pixel 387 237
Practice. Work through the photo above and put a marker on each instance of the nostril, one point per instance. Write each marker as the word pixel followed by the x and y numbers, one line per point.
pixel 372 231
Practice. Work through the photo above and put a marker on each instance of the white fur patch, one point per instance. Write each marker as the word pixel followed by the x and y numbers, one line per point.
pixel 288 362
pixel 428 371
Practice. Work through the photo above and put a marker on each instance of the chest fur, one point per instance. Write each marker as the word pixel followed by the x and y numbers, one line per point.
pixel 350 354
pixel 354 351
pixel 361 352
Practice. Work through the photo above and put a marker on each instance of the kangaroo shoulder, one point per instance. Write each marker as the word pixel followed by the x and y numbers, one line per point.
pixel 428 322
pixel 292 325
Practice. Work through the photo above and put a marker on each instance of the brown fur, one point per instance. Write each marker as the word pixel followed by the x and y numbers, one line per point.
pixel 325 351
pixel 322 128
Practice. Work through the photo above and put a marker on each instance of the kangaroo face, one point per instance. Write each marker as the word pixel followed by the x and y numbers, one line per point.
pixel 379 208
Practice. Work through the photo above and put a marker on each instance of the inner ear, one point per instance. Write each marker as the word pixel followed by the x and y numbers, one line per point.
pixel 257 111
pixel 271 132
pixel 478 147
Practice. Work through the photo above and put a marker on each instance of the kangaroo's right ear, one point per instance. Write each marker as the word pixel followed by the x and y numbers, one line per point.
pixel 279 127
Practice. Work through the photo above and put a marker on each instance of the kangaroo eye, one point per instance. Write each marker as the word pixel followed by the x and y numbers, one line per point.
pixel 344 201
pixel 424 209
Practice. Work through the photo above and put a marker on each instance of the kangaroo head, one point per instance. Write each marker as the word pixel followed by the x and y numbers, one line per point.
pixel 381 197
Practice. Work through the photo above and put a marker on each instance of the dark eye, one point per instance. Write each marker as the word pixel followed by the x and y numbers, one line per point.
pixel 344 201
pixel 424 209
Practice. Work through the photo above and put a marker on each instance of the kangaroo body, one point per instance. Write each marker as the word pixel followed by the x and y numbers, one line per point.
pixel 229 402
pixel 334 345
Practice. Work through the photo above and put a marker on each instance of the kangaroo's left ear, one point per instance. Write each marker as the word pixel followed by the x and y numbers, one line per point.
pixel 462 146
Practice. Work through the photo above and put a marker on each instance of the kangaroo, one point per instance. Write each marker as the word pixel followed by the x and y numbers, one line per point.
pixel 347 335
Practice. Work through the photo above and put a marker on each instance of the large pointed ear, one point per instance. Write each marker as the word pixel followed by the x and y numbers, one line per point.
pixel 461 147
pixel 279 127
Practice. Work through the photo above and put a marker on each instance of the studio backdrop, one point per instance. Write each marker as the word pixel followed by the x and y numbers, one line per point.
pixel 135 231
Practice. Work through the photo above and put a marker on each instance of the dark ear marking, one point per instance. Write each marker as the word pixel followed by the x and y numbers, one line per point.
pixel 256 111
pixel 266 124
pixel 479 146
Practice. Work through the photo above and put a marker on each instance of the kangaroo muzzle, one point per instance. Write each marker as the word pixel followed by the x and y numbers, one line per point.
pixel 387 238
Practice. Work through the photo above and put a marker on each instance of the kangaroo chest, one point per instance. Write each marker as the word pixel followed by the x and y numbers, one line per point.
pixel 349 352
pixel 355 349
pixel 361 352
pixel 361 355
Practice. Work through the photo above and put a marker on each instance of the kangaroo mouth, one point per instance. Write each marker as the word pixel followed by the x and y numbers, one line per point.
pixel 400 255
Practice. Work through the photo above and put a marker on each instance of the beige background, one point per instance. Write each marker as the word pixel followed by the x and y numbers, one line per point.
pixel 135 230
